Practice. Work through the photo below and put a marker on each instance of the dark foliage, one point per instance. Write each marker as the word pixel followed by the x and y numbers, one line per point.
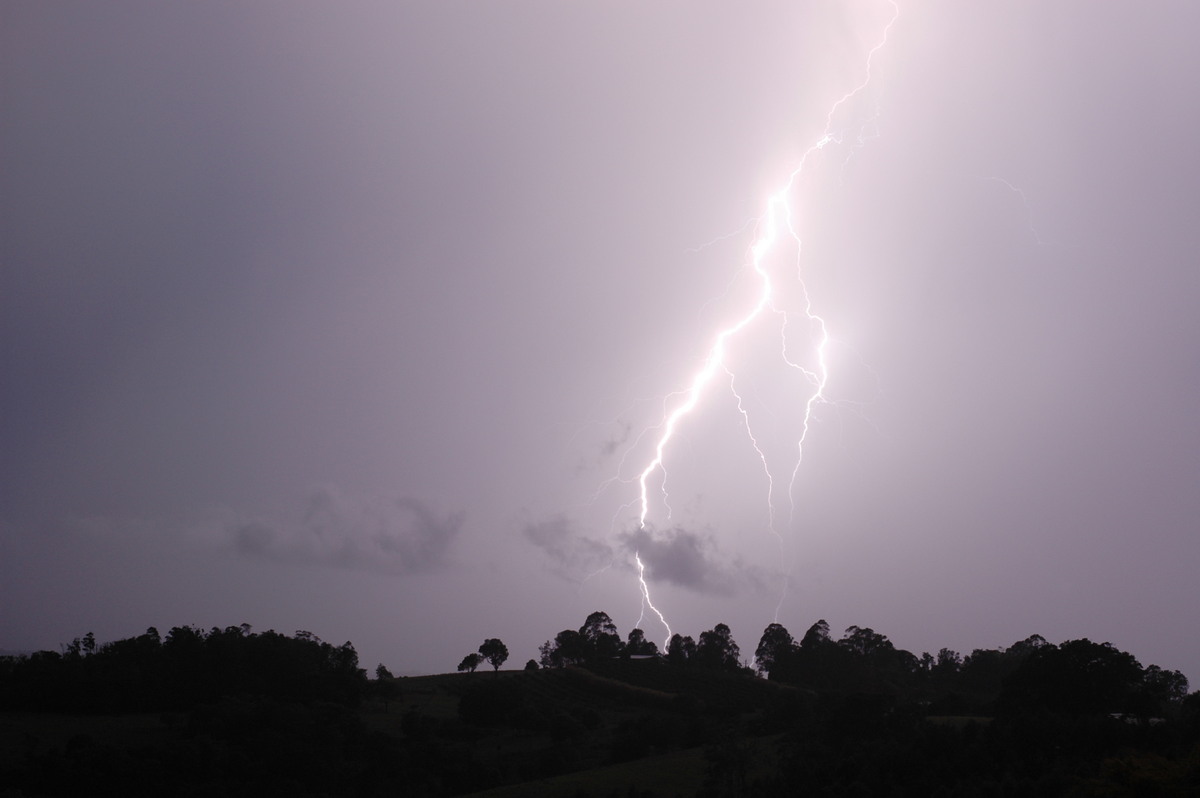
pixel 717 649
pixel 568 648
pixel 188 667
pixel 245 714
pixel 494 651
pixel 241 714
pixel 596 640
pixel 638 646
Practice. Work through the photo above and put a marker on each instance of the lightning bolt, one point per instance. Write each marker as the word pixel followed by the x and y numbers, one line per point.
pixel 1020 192
pixel 772 230
pixel 646 602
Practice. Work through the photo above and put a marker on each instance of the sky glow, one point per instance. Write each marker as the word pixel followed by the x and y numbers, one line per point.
pixel 419 324
pixel 777 221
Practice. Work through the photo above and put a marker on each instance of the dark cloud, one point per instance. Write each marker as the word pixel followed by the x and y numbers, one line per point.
pixel 571 555
pixel 253 538
pixel 678 556
pixel 691 561
pixel 400 535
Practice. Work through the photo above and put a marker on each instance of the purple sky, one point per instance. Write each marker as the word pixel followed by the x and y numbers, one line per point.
pixel 353 318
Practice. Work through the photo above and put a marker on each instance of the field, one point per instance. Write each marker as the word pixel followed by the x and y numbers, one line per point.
pixel 618 727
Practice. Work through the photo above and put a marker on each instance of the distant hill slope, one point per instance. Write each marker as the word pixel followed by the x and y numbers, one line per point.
pixel 231 712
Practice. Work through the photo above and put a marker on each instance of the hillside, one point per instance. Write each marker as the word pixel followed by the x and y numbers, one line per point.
pixel 231 712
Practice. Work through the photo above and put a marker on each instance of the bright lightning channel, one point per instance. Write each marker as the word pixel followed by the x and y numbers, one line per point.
pixel 775 223
pixel 646 602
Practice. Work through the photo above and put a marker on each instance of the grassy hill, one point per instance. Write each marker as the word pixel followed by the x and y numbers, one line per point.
pixel 608 724
pixel 231 713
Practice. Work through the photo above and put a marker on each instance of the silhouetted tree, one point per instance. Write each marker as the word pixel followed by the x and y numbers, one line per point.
pixel 385 686
pixel 680 649
pixel 1023 648
pixel 873 663
pixel 774 650
pixel 948 661
pixel 1189 713
pixel 531 665
pixel 600 637
pixel 567 648
pixel 943 671
pixel 816 636
pixel 191 667
pixel 470 662
pixel 1077 678
pixel 548 655
pixel 343 657
pixel 81 647
pixel 818 662
pixel 865 642
pixel 983 671
pixel 638 645
pixel 1164 688
pixel 717 649
pixel 495 652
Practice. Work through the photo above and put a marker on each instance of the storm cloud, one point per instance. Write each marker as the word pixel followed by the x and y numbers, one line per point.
pixel 397 535
pixel 692 561
pixel 569 554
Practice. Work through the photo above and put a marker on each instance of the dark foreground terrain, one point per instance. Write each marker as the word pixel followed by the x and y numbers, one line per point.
pixel 232 712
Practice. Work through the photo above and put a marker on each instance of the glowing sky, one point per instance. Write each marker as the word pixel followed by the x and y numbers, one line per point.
pixel 354 319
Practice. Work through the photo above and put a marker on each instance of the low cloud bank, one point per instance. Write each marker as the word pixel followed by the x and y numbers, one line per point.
pixel 678 556
pixel 394 535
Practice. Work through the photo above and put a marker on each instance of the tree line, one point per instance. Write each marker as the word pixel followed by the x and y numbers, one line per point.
pixel 1077 676
pixel 187 667
pixel 236 712
pixel 597 640
pixel 853 714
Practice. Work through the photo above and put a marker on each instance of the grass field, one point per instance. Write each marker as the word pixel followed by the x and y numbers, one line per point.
pixel 624 728
pixel 677 773
pixel 23 732
pixel 958 721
